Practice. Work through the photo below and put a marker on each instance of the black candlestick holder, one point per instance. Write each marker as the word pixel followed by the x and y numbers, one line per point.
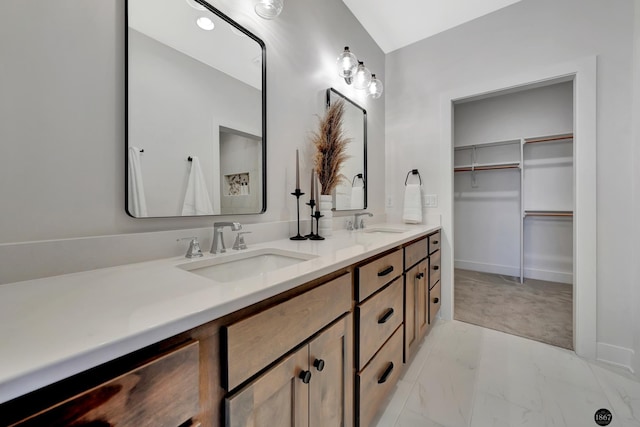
pixel 311 204
pixel 298 193
pixel 316 236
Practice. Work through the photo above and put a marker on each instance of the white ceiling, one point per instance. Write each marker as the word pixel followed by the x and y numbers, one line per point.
pixel 398 23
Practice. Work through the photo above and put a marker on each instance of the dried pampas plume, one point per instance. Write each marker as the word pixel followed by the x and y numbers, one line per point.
pixel 331 146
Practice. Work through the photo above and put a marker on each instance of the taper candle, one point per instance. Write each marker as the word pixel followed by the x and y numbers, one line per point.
pixel 297 171
pixel 317 196
pixel 311 193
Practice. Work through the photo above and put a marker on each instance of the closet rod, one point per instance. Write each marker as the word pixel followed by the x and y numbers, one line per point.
pixel 485 168
pixel 549 139
pixel 548 213
pixel 487 144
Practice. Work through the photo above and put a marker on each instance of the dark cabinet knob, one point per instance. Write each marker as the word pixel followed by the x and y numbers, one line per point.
pixel 318 364
pixel 385 376
pixel 436 300
pixel 419 275
pixel 305 376
pixel 435 242
pixel 387 315
pixel 385 271
pixel 436 267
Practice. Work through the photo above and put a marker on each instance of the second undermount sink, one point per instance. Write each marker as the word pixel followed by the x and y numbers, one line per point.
pixel 241 265
pixel 384 230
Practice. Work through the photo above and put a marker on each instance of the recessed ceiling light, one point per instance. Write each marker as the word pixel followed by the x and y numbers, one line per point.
pixel 195 5
pixel 205 23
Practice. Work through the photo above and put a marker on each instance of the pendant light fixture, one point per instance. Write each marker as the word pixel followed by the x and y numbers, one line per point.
pixel 354 72
pixel 362 77
pixel 347 64
pixel 375 87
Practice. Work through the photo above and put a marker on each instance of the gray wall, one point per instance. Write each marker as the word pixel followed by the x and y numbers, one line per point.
pixel 62 118
pixel 530 34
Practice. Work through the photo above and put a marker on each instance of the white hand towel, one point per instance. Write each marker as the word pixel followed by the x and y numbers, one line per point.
pixel 196 198
pixel 137 200
pixel 357 197
pixel 412 204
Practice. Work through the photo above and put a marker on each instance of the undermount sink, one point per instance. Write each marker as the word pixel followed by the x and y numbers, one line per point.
pixel 229 268
pixel 384 230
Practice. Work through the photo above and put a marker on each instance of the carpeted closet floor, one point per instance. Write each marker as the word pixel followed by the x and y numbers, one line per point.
pixel 542 311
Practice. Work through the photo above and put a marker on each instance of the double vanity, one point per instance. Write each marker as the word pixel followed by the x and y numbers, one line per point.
pixel 302 332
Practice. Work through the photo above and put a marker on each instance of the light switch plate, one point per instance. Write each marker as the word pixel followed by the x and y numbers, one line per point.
pixel 431 200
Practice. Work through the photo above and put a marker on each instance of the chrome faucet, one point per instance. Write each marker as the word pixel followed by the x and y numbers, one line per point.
pixel 217 246
pixel 361 224
pixel 194 247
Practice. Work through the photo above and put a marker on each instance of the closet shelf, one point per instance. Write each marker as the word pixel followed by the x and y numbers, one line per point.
pixel 549 213
pixel 553 138
pixel 487 166
pixel 487 144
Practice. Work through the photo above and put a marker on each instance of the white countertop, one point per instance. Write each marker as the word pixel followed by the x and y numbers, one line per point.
pixel 55 327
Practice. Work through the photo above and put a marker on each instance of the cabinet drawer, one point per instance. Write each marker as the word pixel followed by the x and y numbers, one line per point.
pixel 377 318
pixel 434 269
pixel 253 343
pixel 378 379
pixel 415 252
pixel 375 274
pixel 434 302
pixel 163 392
pixel 434 242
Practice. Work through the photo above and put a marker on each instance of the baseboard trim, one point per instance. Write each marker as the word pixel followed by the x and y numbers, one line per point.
pixel 615 355
pixel 506 270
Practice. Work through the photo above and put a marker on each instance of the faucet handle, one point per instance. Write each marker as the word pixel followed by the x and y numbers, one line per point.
pixel 194 250
pixel 239 242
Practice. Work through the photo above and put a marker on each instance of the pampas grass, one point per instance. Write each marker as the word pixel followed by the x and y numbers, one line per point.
pixel 331 146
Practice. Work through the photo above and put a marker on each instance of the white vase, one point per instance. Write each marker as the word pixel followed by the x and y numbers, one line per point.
pixel 325 225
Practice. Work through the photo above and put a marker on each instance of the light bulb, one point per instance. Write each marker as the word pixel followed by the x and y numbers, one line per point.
pixel 347 64
pixel 268 9
pixel 375 87
pixel 362 77
pixel 205 23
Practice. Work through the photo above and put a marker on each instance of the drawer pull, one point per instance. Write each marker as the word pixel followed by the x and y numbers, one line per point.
pixel 419 275
pixel 386 316
pixel 436 267
pixel 385 271
pixel 436 300
pixel 318 364
pixel 435 242
pixel 383 379
pixel 305 376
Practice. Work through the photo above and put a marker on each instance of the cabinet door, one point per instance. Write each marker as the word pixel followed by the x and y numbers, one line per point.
pixel 416 321
pixel 279 397
pixel 331 385
pixel 422 306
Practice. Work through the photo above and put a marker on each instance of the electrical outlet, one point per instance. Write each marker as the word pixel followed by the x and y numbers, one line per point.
pixel 431 200
pixel 389 202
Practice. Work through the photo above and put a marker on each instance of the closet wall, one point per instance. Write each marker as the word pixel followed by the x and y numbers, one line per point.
pixel 487 211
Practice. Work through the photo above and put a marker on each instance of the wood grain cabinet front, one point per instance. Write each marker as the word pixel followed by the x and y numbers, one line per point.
pixel 434 269
pixel 416 319
pixel 434 241
pixel 373 275
pixel 311 387
pixel 434 302
pixel 160 393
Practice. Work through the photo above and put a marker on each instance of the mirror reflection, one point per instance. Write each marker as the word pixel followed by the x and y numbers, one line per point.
pixel 195 112
pixel 351 193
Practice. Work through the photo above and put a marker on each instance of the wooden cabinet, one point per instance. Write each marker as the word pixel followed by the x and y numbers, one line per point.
pixel 434 276
pixel 373 275
pixel 416 305
pixel 310 387
pixel 160 393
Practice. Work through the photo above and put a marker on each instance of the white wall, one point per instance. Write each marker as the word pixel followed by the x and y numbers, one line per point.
pixel 487 213
pixel 62 124
pixel 526 35
pixel 636 184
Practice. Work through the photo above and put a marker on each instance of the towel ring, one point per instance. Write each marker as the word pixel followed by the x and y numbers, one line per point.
pixel 413 172
pixel 359 175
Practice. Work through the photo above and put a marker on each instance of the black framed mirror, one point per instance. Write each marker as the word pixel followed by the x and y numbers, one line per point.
pixel 351 193
pixel 195 112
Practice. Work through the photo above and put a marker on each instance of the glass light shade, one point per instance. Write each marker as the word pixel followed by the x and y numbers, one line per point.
pixel 347 64
pixel 375 87
pixel 205 23
pixel 268 9
pixel 362 77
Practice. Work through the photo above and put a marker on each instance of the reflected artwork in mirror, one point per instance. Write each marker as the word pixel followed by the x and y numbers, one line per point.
pixel 351 193
pixel 196 109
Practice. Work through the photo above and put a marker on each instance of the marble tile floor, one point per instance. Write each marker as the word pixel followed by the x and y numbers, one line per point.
pixel 465 375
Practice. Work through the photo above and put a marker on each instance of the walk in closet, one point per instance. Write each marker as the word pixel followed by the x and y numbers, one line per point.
pixel 513 189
